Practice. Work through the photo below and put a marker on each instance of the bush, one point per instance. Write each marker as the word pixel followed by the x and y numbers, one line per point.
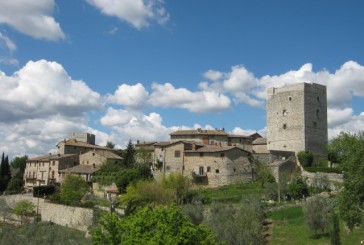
pixel 305 158
pixel 298 187
pixel 73 189
pixel 15 186
pixel 24 208
pixel 317 211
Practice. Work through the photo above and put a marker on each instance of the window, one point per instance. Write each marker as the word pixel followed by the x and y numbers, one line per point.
pixel 201 154
pixel 217 171
pixel 177 153
pixel 93 153
pixel 200 170
pixel 208 169
pixel 318 99
pixel 317 112
pixel 289 98
pixel 284 126
pixel 53 163
pixel 314 124
pixel 234 170
pixel 222 155
pixel 52 174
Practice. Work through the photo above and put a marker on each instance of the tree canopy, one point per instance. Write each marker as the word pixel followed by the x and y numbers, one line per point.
pixel 349 150
pixel 73 189
pixel 160 225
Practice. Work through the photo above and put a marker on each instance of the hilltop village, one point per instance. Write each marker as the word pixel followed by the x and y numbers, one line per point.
pixel 296 121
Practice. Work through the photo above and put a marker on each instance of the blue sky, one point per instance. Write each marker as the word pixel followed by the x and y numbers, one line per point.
pixel 133 69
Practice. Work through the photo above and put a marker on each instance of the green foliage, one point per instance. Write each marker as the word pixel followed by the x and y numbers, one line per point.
pixel 242 224
pixel 129 155
pixel 146 193
pixel 264 173
pixel 335 230
pixel 194 212
pixel 15 186
pixel 315 169
pixel 24 208
pixel 5 174
pixel 42 233
pixel 317 211
pixel 110 145
pixel 161 225
pixel 143 156
pixel 73 189
pixel 179 184
pixel 349 149
pixel 298 187
pixel 115 173
pixel 19 164
pixel 305 158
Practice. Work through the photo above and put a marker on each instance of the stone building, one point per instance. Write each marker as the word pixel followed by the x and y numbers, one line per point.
pixel 297 119
pixel 215 166
pixel 43 170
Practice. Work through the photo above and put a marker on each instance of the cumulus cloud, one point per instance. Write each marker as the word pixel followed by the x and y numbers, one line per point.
pixel 132 96
pixel 138 13
pixel 166 95
pixel 43 88
pixel 33 18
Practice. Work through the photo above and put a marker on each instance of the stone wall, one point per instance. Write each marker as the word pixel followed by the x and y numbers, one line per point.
pixel 72 217
pixel 332 177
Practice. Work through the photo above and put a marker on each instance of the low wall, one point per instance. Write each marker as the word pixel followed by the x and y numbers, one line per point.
pixel 332 177
pixel 72 217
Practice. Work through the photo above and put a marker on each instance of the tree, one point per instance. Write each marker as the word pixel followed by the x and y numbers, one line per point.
pixel 298 187
pixel 18 165
pixel 305 158
pixel 263 172
pixel 160 225
pixel 5 174
pixel 15 185
pixel 73 189
pixel 179 184
pixel 24 209
pixel 317 211
pixel 349 149
pixel 129 155
pixel 335 232
pixel 110 145
pixel 241 224
pixel 143 156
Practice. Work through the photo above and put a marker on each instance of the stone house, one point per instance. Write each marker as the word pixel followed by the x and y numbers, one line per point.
pixel 43 170
pixel 259 145
pixel 74 146
pixel 90 162
pixel 215 166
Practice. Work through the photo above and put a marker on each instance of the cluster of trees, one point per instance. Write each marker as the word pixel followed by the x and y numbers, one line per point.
pixel 11 175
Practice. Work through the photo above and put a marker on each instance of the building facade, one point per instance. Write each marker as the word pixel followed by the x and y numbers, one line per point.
pixel 297 119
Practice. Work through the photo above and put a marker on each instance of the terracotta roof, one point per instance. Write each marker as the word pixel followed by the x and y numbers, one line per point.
pixel 108 154
pixel 199 132
pixel 238 136
pixel 215 149
pixel 80 169
pixel 260 141
pixel 47 158
pixel 74 142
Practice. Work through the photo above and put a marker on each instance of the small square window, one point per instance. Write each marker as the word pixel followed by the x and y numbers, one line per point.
pixel 284 126
pixel 290 98
pixel 177 153
pixel 208 169
pixel 222 155
pixel 201 154
pixel 217 171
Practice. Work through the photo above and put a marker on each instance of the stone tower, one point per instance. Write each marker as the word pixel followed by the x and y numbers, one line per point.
pixel 297 119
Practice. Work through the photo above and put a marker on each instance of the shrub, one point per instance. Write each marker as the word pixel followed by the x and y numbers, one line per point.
pixel 305 158
pixel 24 208
pixel 298 187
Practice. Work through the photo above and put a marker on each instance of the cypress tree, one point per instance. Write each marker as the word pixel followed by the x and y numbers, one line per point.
pixel 129 155
pixel 335 232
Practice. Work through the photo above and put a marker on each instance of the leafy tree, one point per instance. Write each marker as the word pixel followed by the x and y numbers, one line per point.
pixel 15 185
pixel 263 173
pixel 161 225
pixel 146 193
pixel 298 187
pixel 179 184
pixel 317 211
pixel 349 149
pixel 129 155
pixel 73 189
pixel 305 158
pixel 335 232
pixel 143 156
pixel 241 224
pixel 18 164
pixel 110 145
pixel 24 209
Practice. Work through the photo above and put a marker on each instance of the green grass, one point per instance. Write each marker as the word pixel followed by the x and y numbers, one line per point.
pixel 229 194
pixel 289 228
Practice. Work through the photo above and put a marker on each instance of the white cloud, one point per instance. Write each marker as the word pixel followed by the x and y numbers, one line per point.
pixel 132 96
pixel 139 13
pixel 43 88
pixel 247 132
pixel 7 48
pixel 166 95
pixel 10 45
pixel 33 18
